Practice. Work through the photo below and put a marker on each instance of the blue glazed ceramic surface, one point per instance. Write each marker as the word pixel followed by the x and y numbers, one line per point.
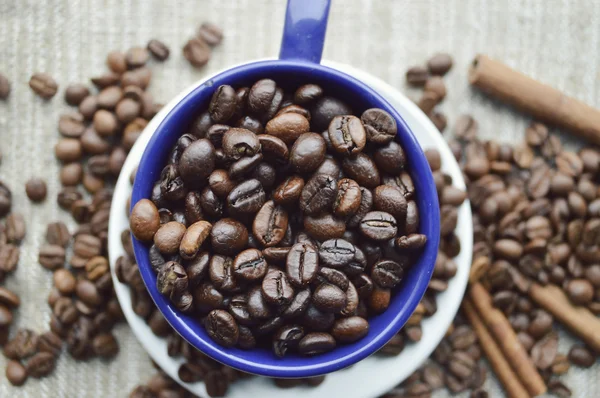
pixel 301 49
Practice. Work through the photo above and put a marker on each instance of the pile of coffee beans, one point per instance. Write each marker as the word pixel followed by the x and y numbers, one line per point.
pixel 429 77
pixel 333 219
pixel 198 49
pixel 95 140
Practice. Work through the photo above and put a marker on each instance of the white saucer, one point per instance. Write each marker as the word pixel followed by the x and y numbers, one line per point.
pixel 374 375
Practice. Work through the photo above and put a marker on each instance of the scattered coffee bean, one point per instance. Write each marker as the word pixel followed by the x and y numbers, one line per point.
pixel 36 189
pixel 43 85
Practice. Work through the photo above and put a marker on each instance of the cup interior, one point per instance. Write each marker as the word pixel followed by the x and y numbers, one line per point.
pixel 289 75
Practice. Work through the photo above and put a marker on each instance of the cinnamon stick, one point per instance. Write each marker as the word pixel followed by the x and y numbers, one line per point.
pixel 509 379
pixel 579 320
pixel 505 336
pixel 538 99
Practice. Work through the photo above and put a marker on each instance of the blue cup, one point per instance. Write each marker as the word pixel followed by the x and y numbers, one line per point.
pixel 298 63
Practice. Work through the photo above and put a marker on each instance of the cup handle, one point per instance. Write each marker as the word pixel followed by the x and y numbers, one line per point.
pixel 304 30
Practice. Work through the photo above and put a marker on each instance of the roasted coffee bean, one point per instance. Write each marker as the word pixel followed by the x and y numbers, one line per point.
pixel 15 228
pixel 41 365
pixel 347 135
pixel 544 351
pixel 36 189
pixel 350 329
pixel 329 298
pixel 43 85
pixel 223 104
pixel 316 343
pixel 307 94
pixel 336 253
pixel 16 373
pixel 197 52
pixel 4 87
pixel 390 158
pixel 417 76
pixel 362 169
pixel 307 153
pixel 222 328
pixel 270 224
pixel 324 227
pixel 387 273
pixel 169 236
pixel 439 64
pixel 378 225
pixel 213 35
pixel 348 198
pixel 221 271
pixel 250 265
pixel 580 291
pixel 52 256
pixel 289 191
pixel 9 298
pixel 192 239
pixel 158 49
pixel 171 183
pixel 276 288
pixel 288 127
pixel 580 356
pixel 197 162
pixel 228 236
pixel 144 220
pixel 287 337
pixel 246 198
pixel 324 110
pixel 380 126
pixel 23 345
pixel 302 264
pixel 391 200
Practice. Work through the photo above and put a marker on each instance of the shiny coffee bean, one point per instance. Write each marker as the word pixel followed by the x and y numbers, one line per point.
pixel 348 330
pixel 270 224
pixel 222 328
pixel 324 227
pixel 302 264
pixel 378 225
pixel 238 143
pixel 348 199
pixel 390 158
pixel 380 126
pixel 257 305
pixel 391 200
pixel 197 162
pixel 287 337
pixel 347 135
pixel 387 273
pixel 307 153
pixel 316 343
pixel 222 273
pixel 324 110
pixel 362 169
pixel 329 298
pixel 289 191
pixel 277 289
pixel 223 104
pixel 274 149
pixel 334 277
pixel 336 253
pixel 247 197
pixel 250 265
pixel 318 194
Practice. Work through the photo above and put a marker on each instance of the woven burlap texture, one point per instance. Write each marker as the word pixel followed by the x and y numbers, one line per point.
pixel 556 41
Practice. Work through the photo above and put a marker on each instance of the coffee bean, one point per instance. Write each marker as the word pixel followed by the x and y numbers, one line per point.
pixel 36 189
pixel 43 85
pixel 362 169
pixel 197 161
pixel 329 298
pixel 41 365
pixel 228 236
pixel 348 199
pixel 270 224
pixel 192 239
pixel 324 227
pixel 276 288
pixel 23 345
pixel 222 328
pixel 223 104
pixel 4 87
pixel 52 256
pixel 350 329
pixel 439 64
pixel 307 153
pixel 580 291
pixel 289 191
pixel 286 126
pixel 250 265
pixel 213 35
pixel 387 273
pixel 144 220
pixel 325 109
pixel 287 337
pixel 347 134
pixel 307 94
pixel 302 264
pixel 158 49
pixel 544 351
pixel 378 225
pixel 15 228
pixel 16 373
pixel 580 356
pixel 318 194
pixel 316 343
pixel 379 300
pixel 417 76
